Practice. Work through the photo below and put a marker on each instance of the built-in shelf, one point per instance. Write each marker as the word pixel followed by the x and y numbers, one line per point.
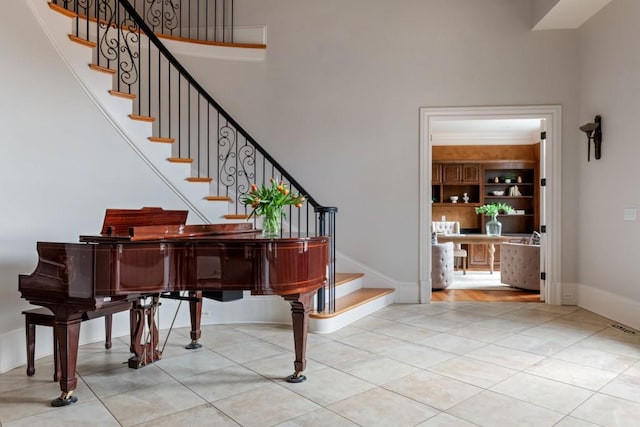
pixel 477 180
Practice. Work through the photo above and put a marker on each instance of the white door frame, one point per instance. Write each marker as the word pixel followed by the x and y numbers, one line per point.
pixel 551 291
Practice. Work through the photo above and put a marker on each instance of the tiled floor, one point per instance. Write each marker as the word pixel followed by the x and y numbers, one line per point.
pixel 438 364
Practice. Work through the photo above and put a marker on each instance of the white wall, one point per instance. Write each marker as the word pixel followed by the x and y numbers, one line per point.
pixel 609 63
pixel 342 84
pixel 336 102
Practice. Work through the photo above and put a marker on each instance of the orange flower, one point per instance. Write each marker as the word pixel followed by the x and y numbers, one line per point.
pixel 265 199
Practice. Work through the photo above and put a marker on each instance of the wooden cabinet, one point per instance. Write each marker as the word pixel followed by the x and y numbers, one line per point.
pixel 471 173
pixel 457 179
pixel 451 174
pixel 436 174
pixel 460 173
pixel 517 187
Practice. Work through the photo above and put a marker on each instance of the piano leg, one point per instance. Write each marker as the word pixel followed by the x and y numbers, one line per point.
pixel 68 333
pixel 300 307
pixel 195 311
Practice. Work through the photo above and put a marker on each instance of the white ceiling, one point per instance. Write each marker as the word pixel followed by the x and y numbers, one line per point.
pixel 568 14
pixel 485 131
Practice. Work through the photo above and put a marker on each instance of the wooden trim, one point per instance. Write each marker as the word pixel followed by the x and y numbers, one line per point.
pixel 512 164
pixel 236 216
pixel 353 300
pixel 218 198
pixel 161 140
pixel 199 179
pixel 212 43
pixel 142 118
pixel 122 94
pixel 83 42
pixel 179 160
pixel 101 69
pixel 62 10
pixel 483 153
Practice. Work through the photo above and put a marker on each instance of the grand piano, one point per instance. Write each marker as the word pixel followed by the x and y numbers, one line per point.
pixel 145 253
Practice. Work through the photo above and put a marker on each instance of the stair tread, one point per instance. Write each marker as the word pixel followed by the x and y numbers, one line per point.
pixel 102 69
pixel 62 10
pixel 199 179
pixel 236 216
pixel 122 94
pixel 342 278
pixel 353 300
pixel 218 198
pixel 179 160
pixel 162 140
pixel 84 42
pixel 141 118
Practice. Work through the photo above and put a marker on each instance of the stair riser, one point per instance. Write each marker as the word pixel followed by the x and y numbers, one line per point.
pixel 346 288
pixel 332 324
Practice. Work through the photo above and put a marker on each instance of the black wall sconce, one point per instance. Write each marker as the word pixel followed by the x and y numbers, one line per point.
pixel 594 132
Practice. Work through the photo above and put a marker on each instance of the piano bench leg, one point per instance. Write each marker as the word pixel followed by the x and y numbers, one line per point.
pixel 43 317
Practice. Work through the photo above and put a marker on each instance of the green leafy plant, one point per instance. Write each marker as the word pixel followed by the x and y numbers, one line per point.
pixel 494 209
pixel 509 175
pixel 268 200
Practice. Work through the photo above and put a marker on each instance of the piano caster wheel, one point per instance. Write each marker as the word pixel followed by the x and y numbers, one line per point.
pixel 193 345
pixel 296 377
pixel 65 399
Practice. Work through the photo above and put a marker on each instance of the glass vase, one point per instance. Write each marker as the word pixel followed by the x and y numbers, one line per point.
pixel 271 222
pixel 493 227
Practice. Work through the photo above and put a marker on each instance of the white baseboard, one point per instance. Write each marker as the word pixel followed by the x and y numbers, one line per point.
pixel 406 293
pixel 609 305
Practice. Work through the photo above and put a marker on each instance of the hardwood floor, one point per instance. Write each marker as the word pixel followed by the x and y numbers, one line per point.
pixel 460 295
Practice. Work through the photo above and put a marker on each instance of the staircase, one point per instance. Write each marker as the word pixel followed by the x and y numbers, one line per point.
pixel 352 302
pixel 159 108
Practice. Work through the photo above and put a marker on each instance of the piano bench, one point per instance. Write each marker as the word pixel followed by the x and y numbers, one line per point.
pixel 42 316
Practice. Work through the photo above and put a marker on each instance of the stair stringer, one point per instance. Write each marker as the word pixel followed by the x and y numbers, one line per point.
pixel 116 110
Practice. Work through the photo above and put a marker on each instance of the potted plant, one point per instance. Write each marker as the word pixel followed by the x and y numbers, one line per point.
pixel 269 202
pixel 494 227
pixel 508 177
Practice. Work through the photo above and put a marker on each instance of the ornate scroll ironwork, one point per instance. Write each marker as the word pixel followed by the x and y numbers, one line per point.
pixel 162 15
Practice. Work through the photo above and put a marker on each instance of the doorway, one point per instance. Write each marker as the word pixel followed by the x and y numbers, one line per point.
pixel 549 195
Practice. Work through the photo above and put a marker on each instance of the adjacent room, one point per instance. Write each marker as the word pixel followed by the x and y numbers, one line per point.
pixel 479 164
